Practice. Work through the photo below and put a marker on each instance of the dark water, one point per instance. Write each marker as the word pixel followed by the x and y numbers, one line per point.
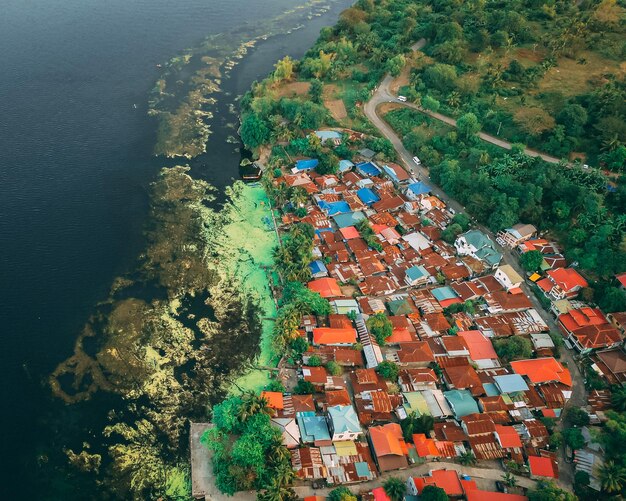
pixel 75 160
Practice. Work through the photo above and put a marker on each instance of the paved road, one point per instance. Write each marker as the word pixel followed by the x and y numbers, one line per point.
pixel 484 477
pixel 382 95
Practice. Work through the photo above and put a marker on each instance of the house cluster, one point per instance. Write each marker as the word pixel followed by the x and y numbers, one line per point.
pixel 378 250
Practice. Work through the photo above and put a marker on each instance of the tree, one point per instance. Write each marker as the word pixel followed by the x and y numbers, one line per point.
pixel 341 494
pixel 380 327
pixel 304 299
pixel 254 131
pixel 612 477
pixel 509 480
pixel 618 398
pixel 315 91
pixel 413 424
pixel 549 491
pixel 533 120
pixel 430 103
pixel 389 370
pixel 574 438
pixel 573 117
pixel 283 69
pixel 433 493
pixel 304 388
pixel 556 440
pixel 575 416
pixel 334 369
pixel 395 64
pixel 468 125
pixel 395 488
pixel 467 458
pixel 441 77
pixel 513 348
pixel 531 261
pixel 314 361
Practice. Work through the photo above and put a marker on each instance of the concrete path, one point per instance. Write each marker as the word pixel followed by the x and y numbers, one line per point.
pixel 383 94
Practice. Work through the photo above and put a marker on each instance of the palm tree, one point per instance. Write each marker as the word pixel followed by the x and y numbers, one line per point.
pixel 467 458
pixel 618 399
pixel 509 480
pixel 279 454
pixel 277 493
pixel 253 404
pixel 395 488
pixel 454 99
pixel 283 475
pixel 612 477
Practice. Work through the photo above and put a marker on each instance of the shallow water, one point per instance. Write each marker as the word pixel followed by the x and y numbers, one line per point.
pixel 75 159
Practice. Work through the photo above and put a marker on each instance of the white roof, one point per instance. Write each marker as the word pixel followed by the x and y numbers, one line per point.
pixel 416 240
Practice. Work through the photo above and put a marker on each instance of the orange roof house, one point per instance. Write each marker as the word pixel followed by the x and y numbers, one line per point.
pixel 425 447
pixel 448 480
pixel 508 437
pixel 328 335
pixel 480 349
pixel 326 287
pixel 588 329
pixel 388 446
pixel 542 370
pixel 562 283
pixel 416 354
pixel 274 399
pixel 478 495
pixel 349 232
pixel 541 467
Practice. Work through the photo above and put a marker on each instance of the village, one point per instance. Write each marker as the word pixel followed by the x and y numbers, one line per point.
pixel 440 349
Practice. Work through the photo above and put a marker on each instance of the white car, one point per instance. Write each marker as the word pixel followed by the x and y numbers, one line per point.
pixel 402 98
pixel 417 161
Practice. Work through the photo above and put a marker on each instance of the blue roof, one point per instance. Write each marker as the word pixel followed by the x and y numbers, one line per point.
pixel 368 169
pixel 349 219
pixel 309 164
pixel 367 196
pixel 491 389
pixel 319 231
pixel 417 272
pixel 362 469
pixel 344 419
pixel 345 165
pixel 312 427
pixel 327 134
pixel 462 402
pixel 419 188
pixel 443 293
pixel 318 267
pixel 510 383
pixel 338 208
pixel 391 173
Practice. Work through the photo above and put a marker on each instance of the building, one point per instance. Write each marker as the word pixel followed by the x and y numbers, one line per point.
pixel 415 190
pixel 416 276
pixel 478 245
pixel 343 423
pixel 512 237
pixel 481 351
pixel 588 329
pixel 562 283
pixel 508 277
pixel 388 447
pixel 543 370
pixel 334 337
pixel 448 480
pixel 461 402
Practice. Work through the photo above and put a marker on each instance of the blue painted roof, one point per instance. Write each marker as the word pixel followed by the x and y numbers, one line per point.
pixel 312 427
pixel 362 469
pixel 510 383
pixel 345 165
pixel 349 219
pixel 491 389
pixel 367 196
pixel 318 267
pixel 417 272
pixel 368 169
pixel 419 188
pixel 327 134
pixel 443 293
pixel 309 164
pixel 462 402
pixel 344 419
pixel 319 231
pixel 340 207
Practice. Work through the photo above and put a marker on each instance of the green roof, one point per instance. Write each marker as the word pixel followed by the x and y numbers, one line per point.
pixel 415 403
pixel 399 307
pixel 486 249
pixel 462 402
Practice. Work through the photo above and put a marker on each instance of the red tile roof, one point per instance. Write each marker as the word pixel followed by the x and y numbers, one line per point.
pixel 387 439
pixel 448 480
pixel 479 346
pixel 379 494
pixel 274 399
pixel 542 370
pixel 327 287
pixel 349 232
pixel 478 495
pixel 508 436
pixel 567 278
pixel 417 352
pixel 316 375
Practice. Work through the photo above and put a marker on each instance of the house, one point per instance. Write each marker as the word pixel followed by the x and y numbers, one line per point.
pixel 318 269
pixel 425 447
pixel 478 495
pixel 463 377
pixel 508 277
pixel 367 196
pixel 417 275
pixel 507 437
pixel 461 402
pixel 588 329
pixel 415 354
pixel 335 337
pixel 612 365
pixel 289 430
pixel 512 237
pixel 481 350
pixel 510 384
pixel 415 190
pixel 329 135
pixel 543 370
pixel 307 463
pixel 317 376
pixel 478 245
pixel 396 173
pixel 345 166
pixel 388 447
pixel 305 165
pixel 326 287
pixel 368 169
pixel 343 423
pixel 542 467
pixel 313 428
pixel 417 379
pixel 562 283
pixel 448 480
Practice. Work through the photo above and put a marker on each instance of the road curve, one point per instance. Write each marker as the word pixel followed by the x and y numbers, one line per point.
pixel 383 95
